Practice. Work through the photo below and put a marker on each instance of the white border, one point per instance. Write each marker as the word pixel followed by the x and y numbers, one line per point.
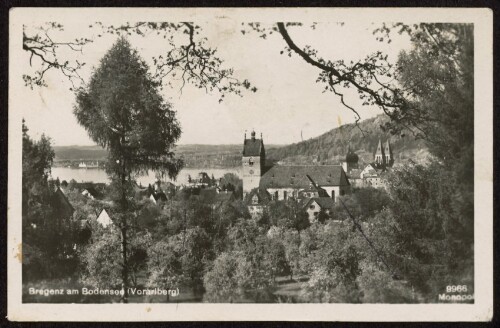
pixel 481 310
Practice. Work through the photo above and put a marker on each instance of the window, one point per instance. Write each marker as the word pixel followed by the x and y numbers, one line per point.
pixel 312 207
pixel 250 161
pixel 333 194
pixel 255 199
pixel 284 195
pixel 276 195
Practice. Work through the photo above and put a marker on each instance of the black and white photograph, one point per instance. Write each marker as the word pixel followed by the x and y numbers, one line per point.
pixel 248 157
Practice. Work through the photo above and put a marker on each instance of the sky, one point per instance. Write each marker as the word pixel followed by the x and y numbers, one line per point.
pixel 288 101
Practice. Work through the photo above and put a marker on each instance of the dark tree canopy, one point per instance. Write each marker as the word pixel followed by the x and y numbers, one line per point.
pixel 38 157
pixel 122 111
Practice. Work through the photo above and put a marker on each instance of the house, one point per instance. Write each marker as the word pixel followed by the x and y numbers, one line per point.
pixel 92 193
pixel 284 182
pixel 354 176
pixel 202 180
pixel 373 177
pixel 215 197
pixel 313 207
pixel 372 174
pixel 104 219
pixel 313 190
pixel 166 186
pixel 158 197
pixel 256 202
pixel 63 209
pixel 91 190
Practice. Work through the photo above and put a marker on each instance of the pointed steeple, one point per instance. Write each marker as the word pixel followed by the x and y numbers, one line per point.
pixel 379 147
pixel 379 154
pixel 388 153
pixel 387 148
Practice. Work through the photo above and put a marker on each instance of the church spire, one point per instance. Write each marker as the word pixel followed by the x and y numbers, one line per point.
pixel 379 154
pixel 388 154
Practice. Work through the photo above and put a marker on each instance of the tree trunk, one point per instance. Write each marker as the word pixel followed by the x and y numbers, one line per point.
pixel 125 265
pixel 123 229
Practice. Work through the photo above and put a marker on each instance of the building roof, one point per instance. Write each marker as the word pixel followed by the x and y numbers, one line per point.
pixel 212 196
pixel 253 147
pixel 263 196
pixel 159 196
pixel 295 176
pixel 351 156
pixel 313 187
pixel 86 185
pixel 61 204
pixel 354 174
pixel 93 192
pixel 388 148
pixel 380 149
pixel 104 219
pixel 323 202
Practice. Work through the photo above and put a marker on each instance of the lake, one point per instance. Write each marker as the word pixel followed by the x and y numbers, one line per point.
pixel 100 176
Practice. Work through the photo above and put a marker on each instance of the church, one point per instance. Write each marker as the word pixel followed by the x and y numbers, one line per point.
pixel 288 181
pixel 373 174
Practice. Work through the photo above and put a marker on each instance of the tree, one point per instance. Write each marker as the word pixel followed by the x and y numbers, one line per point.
pixel 249 240
pixel 164 265
pixel 429 92
pixel 48 55
pixel 276 258
pixel 442 56
pixel 434 226
pixel 335 268
pixel 232 183
pixel 288 214
pixel 291 242
pixel 224 280
pixel 101 260
pixel 38 157
pixel 48 235
pixel 185 53
pixel 122 111
pixel 378 286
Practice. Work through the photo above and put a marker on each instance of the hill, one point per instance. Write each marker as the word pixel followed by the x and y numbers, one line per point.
pixel 75 153
pixel 331 147
pixel 328 148
pixel 199 156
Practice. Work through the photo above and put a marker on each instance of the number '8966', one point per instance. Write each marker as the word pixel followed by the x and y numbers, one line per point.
pixel 456 288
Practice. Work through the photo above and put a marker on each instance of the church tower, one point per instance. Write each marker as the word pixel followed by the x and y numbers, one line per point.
pixel 351 160
pixel 389 160
pixel 379 154
pixel 253 161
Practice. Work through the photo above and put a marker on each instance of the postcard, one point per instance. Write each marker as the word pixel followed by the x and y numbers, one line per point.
pixel 291 164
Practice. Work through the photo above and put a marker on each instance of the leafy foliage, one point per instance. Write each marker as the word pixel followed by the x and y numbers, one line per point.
pixel 49 54
pixel 120 101
pixel 48 231
pixel 185 55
